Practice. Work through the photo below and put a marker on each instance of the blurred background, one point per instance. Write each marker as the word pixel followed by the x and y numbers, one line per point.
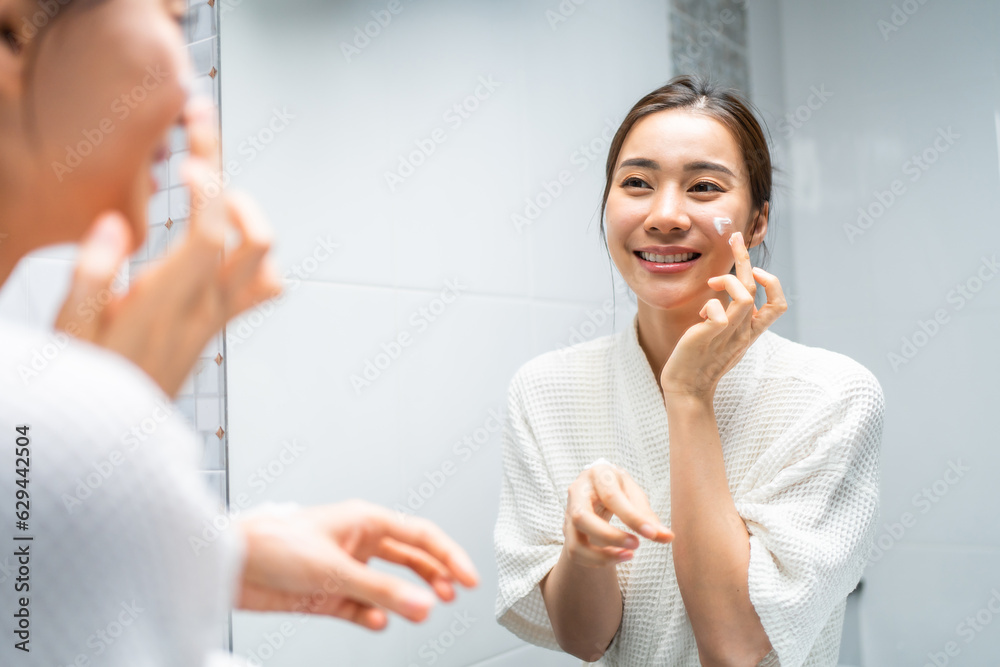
pixel 433 171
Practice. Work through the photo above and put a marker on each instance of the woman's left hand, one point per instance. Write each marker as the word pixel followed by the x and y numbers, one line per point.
pixel 709 349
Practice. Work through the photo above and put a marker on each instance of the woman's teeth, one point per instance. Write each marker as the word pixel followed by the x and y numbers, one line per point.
pixel 667 259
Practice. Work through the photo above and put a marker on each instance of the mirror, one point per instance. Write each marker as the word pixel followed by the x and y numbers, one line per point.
pixel 433 172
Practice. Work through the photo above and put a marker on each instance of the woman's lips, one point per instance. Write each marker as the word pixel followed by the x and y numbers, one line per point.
pixel 162 153
pixel 156 166
pixel 666 267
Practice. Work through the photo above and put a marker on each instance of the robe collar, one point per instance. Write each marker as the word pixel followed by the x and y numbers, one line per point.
pixel 645 415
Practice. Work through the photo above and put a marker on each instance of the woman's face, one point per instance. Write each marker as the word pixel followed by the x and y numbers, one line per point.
pixel 678 171
pixel 106 85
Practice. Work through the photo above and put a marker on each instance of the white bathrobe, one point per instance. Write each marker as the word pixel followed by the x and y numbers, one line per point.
pixel 123 569
pixel 800 429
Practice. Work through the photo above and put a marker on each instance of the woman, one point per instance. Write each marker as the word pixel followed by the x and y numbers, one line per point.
pixel 695 489
pixel 119 556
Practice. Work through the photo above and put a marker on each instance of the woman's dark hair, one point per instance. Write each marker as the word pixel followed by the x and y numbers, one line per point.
pixel 726 105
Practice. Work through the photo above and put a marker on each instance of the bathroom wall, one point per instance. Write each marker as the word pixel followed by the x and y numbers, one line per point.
pixel 891 113
pixel 765 59
pixel 428 251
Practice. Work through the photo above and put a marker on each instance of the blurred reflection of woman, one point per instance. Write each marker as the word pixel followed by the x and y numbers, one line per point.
pixel 127 565
pixel 759 453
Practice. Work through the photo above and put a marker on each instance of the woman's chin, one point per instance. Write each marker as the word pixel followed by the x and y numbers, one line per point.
pixel 137 217
pixel 666 299
pixel 138 237
pixel 137 210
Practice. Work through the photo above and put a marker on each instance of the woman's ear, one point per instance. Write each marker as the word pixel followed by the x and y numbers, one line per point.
pixel 761 230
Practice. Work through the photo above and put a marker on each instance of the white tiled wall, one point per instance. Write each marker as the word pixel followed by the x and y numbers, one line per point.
pixel 554 87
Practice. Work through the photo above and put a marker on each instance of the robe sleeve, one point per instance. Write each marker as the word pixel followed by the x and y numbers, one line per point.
pixel 811 514
pixel 528 536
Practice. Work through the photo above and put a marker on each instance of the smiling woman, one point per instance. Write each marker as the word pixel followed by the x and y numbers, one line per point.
pixel 748 463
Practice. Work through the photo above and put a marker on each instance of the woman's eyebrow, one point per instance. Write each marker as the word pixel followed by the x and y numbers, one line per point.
pixel 643 162
pixel 708 166
pixel 701 165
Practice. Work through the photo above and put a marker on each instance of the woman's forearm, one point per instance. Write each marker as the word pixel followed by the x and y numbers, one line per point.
pixel 584 606
pixel 712 547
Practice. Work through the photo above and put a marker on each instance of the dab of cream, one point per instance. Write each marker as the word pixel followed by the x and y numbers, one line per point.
pixel 721 224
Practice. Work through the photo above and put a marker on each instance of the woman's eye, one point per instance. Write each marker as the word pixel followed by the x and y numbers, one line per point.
pixel 707 184
pixel 10 37
pixel 634 182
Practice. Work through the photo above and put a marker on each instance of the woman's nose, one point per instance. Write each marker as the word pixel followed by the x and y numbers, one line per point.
pixel 667 213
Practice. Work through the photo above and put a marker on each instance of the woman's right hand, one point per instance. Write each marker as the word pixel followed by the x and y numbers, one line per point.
pixel 171 312
pixel 600 492
pixel 316 560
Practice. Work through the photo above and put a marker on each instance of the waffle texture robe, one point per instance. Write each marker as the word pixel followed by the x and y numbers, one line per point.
pixel 800 429
pixel 124 568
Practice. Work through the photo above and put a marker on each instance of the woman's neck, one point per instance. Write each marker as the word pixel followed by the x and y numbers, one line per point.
pixel 18 222
pixel 18 234
pixel 10 250
pixel 659 329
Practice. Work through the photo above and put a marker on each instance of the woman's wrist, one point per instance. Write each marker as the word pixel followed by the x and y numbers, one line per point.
pixel 579 569
pixel 679 399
